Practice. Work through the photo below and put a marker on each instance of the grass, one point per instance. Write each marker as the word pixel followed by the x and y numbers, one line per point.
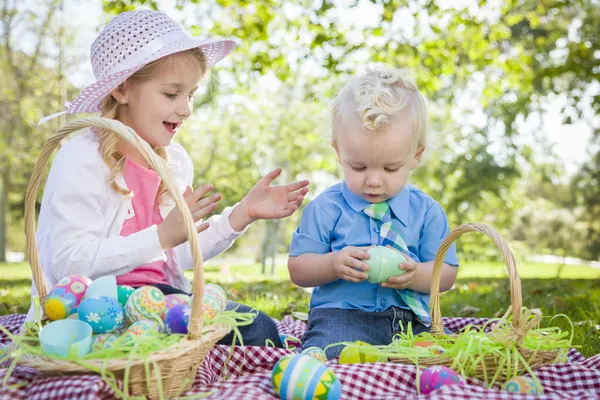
pixel 481 290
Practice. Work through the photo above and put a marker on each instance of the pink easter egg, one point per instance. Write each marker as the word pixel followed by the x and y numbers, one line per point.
pixel 75 285
pixel 172 300
pixel 437 376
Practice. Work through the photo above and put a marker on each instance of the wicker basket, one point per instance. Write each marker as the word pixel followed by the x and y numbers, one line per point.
pixel 178 363
pixel 521 322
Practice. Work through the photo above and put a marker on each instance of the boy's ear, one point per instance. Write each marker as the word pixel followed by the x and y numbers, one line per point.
pixel 418 156
pixel 337 150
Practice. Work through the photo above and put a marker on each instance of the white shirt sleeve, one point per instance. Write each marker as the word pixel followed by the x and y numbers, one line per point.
pixel 72 224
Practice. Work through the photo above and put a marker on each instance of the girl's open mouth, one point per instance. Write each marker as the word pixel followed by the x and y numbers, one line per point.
pixel 171 126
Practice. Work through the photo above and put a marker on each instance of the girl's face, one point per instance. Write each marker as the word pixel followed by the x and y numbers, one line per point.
pixel 376 165
pixel 156 107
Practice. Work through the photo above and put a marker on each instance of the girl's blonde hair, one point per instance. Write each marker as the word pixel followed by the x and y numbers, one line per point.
pixel 379 95
pixel 109 141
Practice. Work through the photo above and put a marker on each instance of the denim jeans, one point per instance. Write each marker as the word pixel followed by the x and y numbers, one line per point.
pixel 255 334
pixel 332 325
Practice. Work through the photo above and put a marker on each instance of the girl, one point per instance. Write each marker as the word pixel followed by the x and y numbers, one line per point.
pixel 104 210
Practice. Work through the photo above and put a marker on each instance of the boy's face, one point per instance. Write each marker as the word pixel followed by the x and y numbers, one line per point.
pixel 376 165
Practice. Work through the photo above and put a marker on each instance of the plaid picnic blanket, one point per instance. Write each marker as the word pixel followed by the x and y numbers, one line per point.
pixel 247 375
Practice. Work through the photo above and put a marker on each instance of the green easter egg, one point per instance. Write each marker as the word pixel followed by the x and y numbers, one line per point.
pixel 383 264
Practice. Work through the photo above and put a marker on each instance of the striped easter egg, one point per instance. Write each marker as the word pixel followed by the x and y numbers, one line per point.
pixel 301 377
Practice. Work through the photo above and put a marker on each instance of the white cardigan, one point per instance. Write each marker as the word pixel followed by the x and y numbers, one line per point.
pixel 81 219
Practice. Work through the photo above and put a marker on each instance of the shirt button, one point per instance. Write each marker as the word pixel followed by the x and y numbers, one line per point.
pixel 376 229
pixel 382 302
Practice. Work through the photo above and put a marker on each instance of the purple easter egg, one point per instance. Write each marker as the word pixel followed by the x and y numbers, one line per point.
pixel 172 300
pixel 177 319
pixel 437 376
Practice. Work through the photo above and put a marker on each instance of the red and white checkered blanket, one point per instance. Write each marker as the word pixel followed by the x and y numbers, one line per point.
pixel 248 375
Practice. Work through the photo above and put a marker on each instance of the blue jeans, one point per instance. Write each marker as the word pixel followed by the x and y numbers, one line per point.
pixel 332 325
pixel 255 334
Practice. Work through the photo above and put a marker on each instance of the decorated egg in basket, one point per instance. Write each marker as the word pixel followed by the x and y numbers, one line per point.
pixel 123 293
pixel 172 300
pixel 66 296
pixel 145 303
pixel 177 319
pixel 104 314
pixel 103 341
pixel 301 377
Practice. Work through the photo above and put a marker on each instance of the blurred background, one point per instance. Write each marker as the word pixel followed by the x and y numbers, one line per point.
pixel 514 103
pixel 513 91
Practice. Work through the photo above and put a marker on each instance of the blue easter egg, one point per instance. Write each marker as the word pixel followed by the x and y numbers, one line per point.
pixel 301 377
pixel 104 314
pixel 177 319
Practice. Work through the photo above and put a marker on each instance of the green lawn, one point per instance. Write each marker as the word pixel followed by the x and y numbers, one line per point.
pixel 481 291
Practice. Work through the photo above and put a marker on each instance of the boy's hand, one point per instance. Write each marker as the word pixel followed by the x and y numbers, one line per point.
pixel 405 280
pixel 171 232
pixel 349 265
pixel 268 202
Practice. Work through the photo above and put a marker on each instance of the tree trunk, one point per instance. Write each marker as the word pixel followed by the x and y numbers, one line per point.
pixel 3 216
pixel 265 247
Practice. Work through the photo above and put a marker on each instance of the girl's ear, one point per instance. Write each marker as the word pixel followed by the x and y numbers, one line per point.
pixel 119 94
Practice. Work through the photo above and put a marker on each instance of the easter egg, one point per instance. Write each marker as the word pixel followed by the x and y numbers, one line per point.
pixel 315 352
pixel 102 313
pixel 217 292
pixel 105 286
pixel 300 377
pixel 64 299
pixel 103 341
pixel 521 384
pixel 146 302
pixel 141 328
pixel 123 293
pixel 213 303
pixel 172 300
pixel 437 376
pixel 358 353
pixel 436 349
pixel 177 319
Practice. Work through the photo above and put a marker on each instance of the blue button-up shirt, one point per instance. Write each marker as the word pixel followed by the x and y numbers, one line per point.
pixel 334 220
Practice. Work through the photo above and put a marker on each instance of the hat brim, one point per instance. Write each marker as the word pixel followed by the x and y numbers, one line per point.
pixel 91 97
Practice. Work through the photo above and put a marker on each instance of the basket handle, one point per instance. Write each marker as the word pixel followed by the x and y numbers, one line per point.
pixel 158 164
pixel 437 325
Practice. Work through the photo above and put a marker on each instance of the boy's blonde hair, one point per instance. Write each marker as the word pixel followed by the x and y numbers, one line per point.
pixel 377 97
pixel 109 141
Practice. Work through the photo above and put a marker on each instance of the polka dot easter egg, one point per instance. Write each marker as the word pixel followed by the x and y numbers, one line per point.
pixel 66 296
pixel 521 384
pixel 103 341
pixel 177 319
pixel 315 352
pixel 300 377
pixel 172 300
pixel 145 303
pixel 437 376
pixel 104 314
pixel 123 293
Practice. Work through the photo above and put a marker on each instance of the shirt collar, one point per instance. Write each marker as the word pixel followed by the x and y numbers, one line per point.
pixel 399 204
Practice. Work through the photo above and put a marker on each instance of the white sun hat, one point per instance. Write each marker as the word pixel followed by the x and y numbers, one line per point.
pixel 130 41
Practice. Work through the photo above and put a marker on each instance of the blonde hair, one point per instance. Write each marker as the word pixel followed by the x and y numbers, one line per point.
pixel 109 141
pixel 379 95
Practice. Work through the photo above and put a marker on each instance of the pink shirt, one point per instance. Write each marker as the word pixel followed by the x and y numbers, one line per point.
pixel 143 183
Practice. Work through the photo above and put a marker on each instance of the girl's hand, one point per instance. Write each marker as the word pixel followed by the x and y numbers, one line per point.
pixel 403 281
pixel 171 232
pixel 268 202
pixel 349 265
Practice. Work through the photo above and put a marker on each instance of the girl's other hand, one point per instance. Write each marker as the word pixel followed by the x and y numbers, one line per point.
pixel 171 232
